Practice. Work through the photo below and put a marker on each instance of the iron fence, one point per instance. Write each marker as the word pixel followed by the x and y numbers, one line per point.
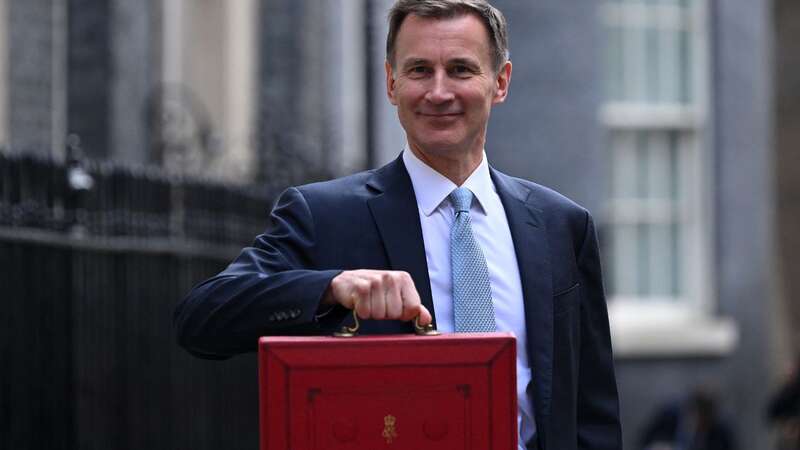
pixel 103 199
pixel 93 258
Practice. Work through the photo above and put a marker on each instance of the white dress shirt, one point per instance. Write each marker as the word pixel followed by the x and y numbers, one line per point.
pixel 490 227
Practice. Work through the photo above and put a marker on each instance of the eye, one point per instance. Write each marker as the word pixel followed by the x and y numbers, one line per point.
pixel 418 71
pixel 461 70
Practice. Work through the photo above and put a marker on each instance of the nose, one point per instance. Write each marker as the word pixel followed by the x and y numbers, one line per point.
pixel 439 91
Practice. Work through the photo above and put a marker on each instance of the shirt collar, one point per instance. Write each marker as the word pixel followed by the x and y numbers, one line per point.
pixel 432 188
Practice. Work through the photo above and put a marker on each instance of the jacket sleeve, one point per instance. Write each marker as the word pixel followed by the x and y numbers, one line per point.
pixel 598 423
pixel 270 288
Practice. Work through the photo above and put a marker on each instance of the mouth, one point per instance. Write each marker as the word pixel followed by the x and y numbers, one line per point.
pixel 439 115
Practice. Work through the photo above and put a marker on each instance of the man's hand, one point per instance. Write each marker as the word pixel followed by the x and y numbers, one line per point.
pixel 378 294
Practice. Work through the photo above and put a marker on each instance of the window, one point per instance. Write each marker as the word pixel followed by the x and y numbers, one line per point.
pixel 657 217
pixel 209 73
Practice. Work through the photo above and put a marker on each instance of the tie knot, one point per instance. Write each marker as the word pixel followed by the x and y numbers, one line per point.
pixel 462 199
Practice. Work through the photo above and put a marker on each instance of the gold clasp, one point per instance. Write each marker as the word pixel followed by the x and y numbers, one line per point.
pixel 347 332
pixel 427 330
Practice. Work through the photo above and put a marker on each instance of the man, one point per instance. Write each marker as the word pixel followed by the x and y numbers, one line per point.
pixel 436 234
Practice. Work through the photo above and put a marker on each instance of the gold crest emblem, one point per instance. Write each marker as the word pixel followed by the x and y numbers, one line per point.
pixel 389 428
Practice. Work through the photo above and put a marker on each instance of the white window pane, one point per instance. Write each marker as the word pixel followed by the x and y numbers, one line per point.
pixel 687 68
pixel 635 64
pixel 642 260
pixel 643 164
pixel 650 42
pixel 647 224
pixel 659 168
pixel 624 269
pixel 681 266
pixel 624 165
pixel 614 64
pixel 684 150
pixel 674 164
pixel 672 66
pixel 661 263
pixel 653 68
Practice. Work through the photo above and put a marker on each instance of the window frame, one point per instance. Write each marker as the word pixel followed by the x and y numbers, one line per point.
pixel 687 325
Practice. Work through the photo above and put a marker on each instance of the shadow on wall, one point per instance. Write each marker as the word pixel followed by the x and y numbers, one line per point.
pixel 783 410
pixel 691 423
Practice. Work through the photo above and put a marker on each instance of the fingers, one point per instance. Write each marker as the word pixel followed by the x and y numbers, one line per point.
pixel 378 294
pixel 412 306
pixel 425 317
pixel 394 290
pixel 411 301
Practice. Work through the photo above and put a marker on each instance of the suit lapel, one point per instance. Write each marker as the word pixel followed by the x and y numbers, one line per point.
pixel 395 212
pixel 533 257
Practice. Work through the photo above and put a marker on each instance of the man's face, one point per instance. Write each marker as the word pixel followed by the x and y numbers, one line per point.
pixel 444 85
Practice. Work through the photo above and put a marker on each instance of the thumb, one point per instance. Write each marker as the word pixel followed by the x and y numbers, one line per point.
pixel 425 317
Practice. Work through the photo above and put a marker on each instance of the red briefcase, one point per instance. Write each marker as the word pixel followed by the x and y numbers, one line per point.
pixel 398 392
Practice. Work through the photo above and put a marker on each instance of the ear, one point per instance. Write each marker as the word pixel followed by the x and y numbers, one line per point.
pixel 502 83
pixel 390 82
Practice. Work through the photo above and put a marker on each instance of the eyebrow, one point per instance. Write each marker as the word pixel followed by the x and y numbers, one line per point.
pixel 411 62
pixel 464 61
pixel 414 62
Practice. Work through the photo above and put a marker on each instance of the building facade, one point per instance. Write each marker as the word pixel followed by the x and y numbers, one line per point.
pixel 673 121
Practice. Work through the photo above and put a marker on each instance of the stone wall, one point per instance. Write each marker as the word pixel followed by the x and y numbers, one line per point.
pixel 36 78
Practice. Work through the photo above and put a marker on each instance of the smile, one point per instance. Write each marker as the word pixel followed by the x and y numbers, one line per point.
pixel 440 115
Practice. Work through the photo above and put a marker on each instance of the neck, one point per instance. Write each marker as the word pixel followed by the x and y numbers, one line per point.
pixel 455 166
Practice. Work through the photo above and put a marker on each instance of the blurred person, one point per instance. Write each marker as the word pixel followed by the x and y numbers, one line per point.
pixel 692 424
pixel 783 409
pixel 438 234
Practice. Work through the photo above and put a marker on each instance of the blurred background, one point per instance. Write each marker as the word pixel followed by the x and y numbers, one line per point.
pixel 142 144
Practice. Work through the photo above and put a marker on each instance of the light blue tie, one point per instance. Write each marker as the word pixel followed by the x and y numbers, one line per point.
pixel 472 294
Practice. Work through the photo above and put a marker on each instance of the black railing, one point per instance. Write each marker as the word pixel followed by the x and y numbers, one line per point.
pixel 93 258
pixel 107 200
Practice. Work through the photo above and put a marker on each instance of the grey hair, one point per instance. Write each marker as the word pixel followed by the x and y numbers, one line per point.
pixel 492 18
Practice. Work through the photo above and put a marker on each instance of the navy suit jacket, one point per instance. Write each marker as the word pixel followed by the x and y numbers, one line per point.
pixel 371 221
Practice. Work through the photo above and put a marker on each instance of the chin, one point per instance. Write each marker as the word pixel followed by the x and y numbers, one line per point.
pixel 441 148
pixel 441 141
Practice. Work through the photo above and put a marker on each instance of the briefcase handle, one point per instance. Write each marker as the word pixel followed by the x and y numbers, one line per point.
pixel 419 330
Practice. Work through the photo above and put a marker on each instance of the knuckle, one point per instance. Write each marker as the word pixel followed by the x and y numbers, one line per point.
pixel 410 301
pixel 363 286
